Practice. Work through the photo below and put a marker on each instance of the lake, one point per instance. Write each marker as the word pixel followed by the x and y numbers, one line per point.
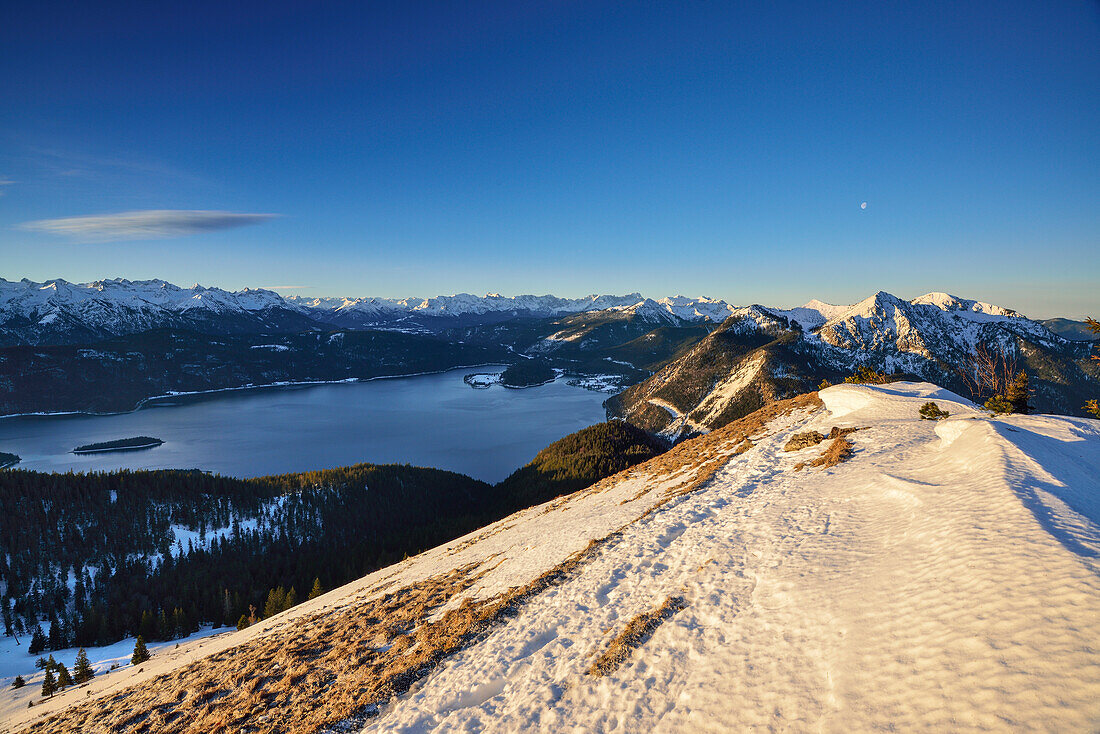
pixel 429 420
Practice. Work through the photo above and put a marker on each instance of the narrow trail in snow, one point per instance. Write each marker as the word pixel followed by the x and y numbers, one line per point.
pixel 909 587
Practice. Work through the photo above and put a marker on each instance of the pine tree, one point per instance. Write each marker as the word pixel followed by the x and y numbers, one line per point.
pixel 49 685
pixel 82 669
pixel 64 680
pixel 998 405
pixel 147 627
pixel 291 599
pixel 18 682
pixel 141 653
pixel 931 411
pixel 38 641
pixel 276 602
pixel 317 590
pixel 178 624
pixel 1093 406
pixel 1018 393
pixel 57 634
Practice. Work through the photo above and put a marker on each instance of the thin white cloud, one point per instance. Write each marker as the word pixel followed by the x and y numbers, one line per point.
pixel 4 181
pixel 152 224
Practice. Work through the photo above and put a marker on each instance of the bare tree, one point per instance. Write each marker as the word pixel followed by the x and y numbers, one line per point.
pixel 1093 406
pixel 988 371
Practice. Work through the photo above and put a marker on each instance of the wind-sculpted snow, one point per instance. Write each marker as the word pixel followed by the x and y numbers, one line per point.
pixel 942 578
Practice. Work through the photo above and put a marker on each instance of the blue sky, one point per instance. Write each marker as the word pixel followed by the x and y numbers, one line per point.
pixel 709 148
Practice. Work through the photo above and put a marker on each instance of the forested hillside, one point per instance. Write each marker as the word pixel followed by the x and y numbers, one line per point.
pixel 160 552
pixel 103 555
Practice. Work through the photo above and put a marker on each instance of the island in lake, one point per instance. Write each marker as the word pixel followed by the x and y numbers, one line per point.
pixel 7 460
pixel 122 444
pixel 529 373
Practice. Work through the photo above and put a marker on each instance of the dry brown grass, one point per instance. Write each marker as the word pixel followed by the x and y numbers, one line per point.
pixel 839 432
pixel 799 441
pixel 839 450
pixel 325 669
pixel 322 670
pixel 637 631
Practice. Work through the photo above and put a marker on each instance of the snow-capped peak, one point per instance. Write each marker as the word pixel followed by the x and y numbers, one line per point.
pixel 964 307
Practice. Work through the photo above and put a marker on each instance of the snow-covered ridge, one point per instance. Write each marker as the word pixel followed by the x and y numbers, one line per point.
pixel 945 576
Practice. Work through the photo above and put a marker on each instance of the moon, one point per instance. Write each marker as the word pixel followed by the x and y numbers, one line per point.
pixel 863 205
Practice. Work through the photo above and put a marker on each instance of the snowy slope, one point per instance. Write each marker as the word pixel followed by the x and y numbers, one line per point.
pixel 945 577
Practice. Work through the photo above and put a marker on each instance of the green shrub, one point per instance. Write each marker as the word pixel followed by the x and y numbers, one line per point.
pixel 932 412
pixel 998 405
pixel 864 375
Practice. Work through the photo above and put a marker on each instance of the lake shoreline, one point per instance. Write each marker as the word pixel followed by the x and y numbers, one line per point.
pixel 145 402
pixel 433 420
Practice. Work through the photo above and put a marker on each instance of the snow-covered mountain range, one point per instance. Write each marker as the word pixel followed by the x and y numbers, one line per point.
pixel 57 311
pixel 759 355
pixel 925 576
pixel 725 359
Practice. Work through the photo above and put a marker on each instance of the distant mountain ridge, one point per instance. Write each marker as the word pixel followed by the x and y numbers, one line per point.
pixel 760 355
pixel 1070 329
